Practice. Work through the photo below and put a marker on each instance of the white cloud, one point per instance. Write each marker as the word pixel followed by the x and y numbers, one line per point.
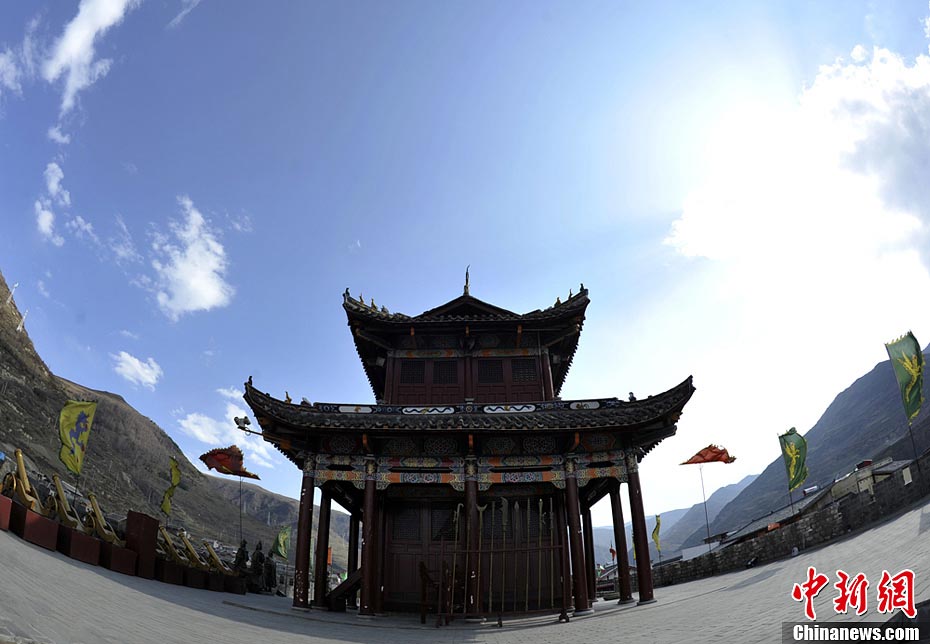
pixel 137 372
pixel 73 53
pixel 191 269
pixel 129 334
pixel 9 72
pixel 188 6
pixel 82 229
pixel 809 242
pixel 53 176
pixel 42 289
pixel 55 134
pixel 230 392
pixel 122 245
pixel 45 221
pixel 224 432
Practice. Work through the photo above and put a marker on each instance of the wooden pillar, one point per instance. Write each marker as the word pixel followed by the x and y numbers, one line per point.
pixel 640 541
pixel 304 529
pixel 367 606
pixel 353 554
pixel 564 568
pixel 320 566
pixel 623 558
pixel 591 569
pixel 472 609
pixel 546 367
pixel 380 523
pixel 579 582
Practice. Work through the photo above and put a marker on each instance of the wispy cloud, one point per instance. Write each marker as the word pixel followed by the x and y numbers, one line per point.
pixel 136 371
pixel 43 290
pixel 55 134
pixel 18 65
pixel 9 73
pixel 129 334
pixel 45 222
pixel 72 55
pixel 122 245
pixel 53 176
pixel 82 229
pixel 187 7
pixel 190 268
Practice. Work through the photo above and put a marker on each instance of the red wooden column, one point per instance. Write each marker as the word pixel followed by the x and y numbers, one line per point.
pixel 640 541
pixel 472 609
pixel 369 579
pixel 380 528
pixel 574 539
pixel 566 573
pixel 590 569
pixel 304 529
pixel 623 558
pixel 353 552
pixel 320 566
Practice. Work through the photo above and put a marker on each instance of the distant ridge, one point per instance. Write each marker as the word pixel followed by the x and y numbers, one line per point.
pixel 865 421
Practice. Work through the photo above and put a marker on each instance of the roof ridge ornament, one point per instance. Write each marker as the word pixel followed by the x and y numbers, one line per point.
pixel 465 292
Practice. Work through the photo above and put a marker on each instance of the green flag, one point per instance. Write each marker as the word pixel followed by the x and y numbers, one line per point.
pixel 908 363
pixel 655 532
pixel 794 451
pixel 74 429
pixel 169 493
pixel 282 542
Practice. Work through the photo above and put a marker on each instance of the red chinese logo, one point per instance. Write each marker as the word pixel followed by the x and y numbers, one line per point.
pixel 808 590
pixel 893 591
pixel 852 594
pixel 897 592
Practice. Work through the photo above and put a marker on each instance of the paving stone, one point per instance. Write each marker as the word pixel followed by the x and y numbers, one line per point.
pixel 47 597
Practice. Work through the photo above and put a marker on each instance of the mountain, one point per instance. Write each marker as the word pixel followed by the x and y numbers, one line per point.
pixel 604 536
pixel 866 421
pixel 677 525
pixel 693 523
pixel 126 464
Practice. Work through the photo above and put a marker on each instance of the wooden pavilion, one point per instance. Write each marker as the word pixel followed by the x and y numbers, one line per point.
pixel 469 471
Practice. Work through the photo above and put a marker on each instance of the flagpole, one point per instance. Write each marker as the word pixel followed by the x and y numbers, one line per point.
pixel 240 509
pixel 910 431
pixel 706 520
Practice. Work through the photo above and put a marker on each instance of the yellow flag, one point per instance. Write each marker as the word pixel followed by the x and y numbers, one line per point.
pixel 655 533
pixel 74 430
pixel 169 493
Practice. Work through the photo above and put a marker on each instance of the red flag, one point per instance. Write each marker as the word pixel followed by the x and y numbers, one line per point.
pixel 711 454
pixel 613 553
pixel 227 460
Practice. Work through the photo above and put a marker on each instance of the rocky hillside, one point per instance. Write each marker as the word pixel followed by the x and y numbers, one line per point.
pixel 127 460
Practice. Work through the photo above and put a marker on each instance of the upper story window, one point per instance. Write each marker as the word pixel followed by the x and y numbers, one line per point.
pixel 524 370
pixel 490 372
pixel 445 372
pixel 412 372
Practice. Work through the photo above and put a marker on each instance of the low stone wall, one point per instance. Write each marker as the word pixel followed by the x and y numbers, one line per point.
pixel 849 513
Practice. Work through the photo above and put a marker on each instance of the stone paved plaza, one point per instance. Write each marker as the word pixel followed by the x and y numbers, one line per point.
pixel 46 597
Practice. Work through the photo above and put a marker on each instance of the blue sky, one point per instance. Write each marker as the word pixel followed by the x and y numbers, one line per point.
pixel 187 187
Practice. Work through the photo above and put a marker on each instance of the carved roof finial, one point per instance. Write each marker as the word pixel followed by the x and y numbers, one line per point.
pixel 346 296
pixel 466 279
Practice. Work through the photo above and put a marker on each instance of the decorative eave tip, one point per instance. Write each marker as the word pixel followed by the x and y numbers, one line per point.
pixel 465 291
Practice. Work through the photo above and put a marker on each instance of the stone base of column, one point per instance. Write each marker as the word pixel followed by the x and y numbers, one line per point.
pixel 586 611
pixel 646 601
pixel 475 619
pixel 627 601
